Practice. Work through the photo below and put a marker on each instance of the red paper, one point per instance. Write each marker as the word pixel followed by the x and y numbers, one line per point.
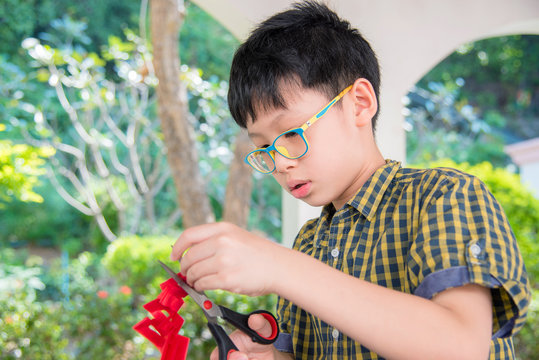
pixel 162 330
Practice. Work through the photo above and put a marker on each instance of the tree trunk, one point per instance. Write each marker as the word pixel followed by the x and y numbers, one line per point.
pixel 166 19
pixel 240 184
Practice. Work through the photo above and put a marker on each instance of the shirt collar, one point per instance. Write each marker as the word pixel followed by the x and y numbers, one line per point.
pixel 371 193
pixel 365 201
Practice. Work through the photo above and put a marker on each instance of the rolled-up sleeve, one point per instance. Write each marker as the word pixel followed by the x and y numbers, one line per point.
pixel 463 237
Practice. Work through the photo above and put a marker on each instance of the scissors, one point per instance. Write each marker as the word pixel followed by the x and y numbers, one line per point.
pixel 214 311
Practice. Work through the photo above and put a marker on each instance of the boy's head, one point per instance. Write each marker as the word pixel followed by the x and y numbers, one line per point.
pixel 308 47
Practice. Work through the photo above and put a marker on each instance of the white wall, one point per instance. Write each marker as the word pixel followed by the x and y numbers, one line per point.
pixel 526 155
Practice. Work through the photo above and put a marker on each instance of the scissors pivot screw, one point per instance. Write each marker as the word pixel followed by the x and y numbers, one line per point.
pixel 208 304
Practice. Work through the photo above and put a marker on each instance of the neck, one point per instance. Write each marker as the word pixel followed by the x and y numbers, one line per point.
pixel 374 162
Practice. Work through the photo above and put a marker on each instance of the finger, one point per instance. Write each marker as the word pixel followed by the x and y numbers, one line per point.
pixel 192 236
pixel 259 324
pixel 246 345
pixel 214 354
pixel 201 275
pixel 209 282
pixel 195 254
pixel 236 355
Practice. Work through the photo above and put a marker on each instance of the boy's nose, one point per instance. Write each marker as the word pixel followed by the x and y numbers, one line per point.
pixel 282 163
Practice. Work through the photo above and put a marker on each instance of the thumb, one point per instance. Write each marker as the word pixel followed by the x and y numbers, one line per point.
pixel 236 355
pixel 259 324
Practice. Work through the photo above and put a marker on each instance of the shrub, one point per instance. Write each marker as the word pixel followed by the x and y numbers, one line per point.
pixel 132 260
pixel 28 329
pixel 97 312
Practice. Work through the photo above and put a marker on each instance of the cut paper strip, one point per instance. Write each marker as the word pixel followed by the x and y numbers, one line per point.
pixel 162 329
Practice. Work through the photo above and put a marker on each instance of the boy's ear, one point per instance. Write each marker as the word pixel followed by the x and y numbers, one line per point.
pixel 365 104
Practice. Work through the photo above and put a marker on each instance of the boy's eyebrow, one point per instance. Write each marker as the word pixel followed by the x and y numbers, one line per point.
pixel 253 135
pixel 276 118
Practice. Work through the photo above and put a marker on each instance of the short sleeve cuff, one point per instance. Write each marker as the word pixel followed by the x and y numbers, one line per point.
pixel 284 343
pixel 439 281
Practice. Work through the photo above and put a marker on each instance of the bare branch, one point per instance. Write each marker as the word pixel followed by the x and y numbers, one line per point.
pixel 115 198
pixel 104 227
pixel 71 112
pixel 135 163
pixel 131 187
pixel 67 197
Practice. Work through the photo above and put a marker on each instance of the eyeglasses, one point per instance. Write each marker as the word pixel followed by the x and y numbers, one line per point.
pixel 291 144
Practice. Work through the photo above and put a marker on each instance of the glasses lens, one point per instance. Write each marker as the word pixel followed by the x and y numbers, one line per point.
pixel 291 144
pixel 261 161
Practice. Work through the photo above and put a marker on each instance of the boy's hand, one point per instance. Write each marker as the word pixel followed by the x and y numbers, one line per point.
pixel 224 256
pixel 247 348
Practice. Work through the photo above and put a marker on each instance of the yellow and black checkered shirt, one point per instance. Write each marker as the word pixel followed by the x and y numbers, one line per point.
pixel 419 232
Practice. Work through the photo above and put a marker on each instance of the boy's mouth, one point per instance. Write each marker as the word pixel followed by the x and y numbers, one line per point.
pixel 299 189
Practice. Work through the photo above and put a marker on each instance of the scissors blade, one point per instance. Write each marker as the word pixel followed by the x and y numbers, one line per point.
pixel 210 309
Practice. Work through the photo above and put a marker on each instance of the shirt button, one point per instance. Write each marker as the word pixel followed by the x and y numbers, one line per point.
pixel 335 252
pixel 335 334
pixel 476 250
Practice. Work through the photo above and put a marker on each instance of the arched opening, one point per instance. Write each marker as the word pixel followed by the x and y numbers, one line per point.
pixel 482 97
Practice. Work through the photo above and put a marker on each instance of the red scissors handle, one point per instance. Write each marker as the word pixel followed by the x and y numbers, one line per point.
pixel 241 322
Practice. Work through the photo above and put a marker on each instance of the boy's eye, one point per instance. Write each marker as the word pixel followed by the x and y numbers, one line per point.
pixel 291 134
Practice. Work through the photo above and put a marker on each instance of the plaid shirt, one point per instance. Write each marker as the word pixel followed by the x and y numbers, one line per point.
pixel 419 232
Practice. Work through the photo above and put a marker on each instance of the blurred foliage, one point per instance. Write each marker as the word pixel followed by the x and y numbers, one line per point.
pixel 481 97
pixel 20 168
pixel 51 223
pixel 92 297
pixel 29 329
pixel 498 77
pixel 212 54
pixel 21 165
pixel 97 21
pixel 266 206
pixel 144 274
pixel 25 18
pixel 111 158
pixel 438 126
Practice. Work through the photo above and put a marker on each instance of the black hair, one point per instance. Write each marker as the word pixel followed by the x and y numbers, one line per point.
pixel 307 45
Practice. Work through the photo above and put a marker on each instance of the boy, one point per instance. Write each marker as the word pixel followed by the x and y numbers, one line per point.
pixel 401 263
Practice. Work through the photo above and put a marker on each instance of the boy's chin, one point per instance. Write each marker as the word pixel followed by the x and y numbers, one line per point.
pixel 314 202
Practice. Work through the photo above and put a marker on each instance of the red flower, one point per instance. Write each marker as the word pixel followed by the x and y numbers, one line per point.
pixel 103 294
pixel 126 290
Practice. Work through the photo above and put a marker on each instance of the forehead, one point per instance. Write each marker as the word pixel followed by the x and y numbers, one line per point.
pixel 297 102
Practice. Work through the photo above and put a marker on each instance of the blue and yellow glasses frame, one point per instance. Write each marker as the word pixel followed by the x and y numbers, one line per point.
pixel 291 144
